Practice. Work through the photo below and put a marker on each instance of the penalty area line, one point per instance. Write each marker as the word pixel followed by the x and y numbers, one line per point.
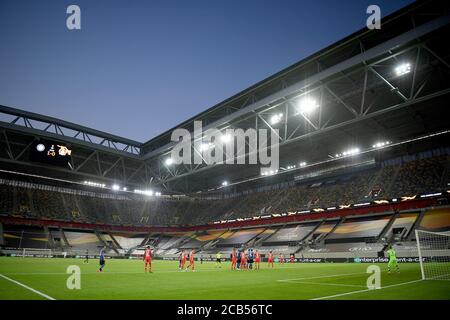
pixel 366 290
pixel 27 287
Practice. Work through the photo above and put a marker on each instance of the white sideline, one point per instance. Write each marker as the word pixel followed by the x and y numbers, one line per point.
pixel 27 287
pixel 361 291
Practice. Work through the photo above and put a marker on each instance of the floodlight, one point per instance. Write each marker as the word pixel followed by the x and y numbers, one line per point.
pixel 276 118
pixel 381 144
pixel 307 105
pixel 169 161
pixel 351 152
pixel 402 69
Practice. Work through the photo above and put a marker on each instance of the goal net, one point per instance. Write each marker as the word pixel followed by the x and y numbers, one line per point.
pixel 34 252
pixel 434 254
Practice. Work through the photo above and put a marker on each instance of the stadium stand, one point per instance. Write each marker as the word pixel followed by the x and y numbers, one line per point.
pixel 79 241
pixel 291 234
pixel 401 226
pixel 201 239
pixel 239 238
pixel 394 179
pixel 128 242
pixel 359 229
pixel 436 220
pixel 25 237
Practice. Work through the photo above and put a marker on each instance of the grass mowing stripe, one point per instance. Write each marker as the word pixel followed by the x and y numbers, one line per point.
pixel 139 272
pixel 106 272
pixel 361 291
pixel 329 284
pixel 27 287
pixel 321 277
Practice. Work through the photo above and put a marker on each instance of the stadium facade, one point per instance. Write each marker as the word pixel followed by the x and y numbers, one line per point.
pixel 365 167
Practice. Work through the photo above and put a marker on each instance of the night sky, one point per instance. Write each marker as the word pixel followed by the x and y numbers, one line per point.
pixel 139 67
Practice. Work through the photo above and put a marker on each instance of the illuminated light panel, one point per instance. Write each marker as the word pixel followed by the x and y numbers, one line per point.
pixel 275 118
pixel 431 195
pixel 307 105
pixel 402 69
pixel 361 204
pixel 95 184
pixel 144 192
pixel 381 144
pixel 269 172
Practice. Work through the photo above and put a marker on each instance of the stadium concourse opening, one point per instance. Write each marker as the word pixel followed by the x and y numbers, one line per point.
pixel 363 180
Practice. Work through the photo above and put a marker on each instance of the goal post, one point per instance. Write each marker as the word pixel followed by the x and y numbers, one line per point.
pixel 434 254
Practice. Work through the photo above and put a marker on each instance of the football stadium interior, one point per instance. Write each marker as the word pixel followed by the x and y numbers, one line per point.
pixel 364 151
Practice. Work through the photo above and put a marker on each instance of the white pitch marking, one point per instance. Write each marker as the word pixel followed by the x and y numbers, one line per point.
pixel 361 291
pixel 27 287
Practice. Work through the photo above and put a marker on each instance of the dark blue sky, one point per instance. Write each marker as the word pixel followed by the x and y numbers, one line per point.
pixel 139 67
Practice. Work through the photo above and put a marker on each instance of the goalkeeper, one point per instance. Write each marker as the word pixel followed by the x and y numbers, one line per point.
pixel 219 260
pixel 392 260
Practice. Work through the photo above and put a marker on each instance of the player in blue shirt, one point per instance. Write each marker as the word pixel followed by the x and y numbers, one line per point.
pixel 102 259
pixel 250 258
pixel 238 260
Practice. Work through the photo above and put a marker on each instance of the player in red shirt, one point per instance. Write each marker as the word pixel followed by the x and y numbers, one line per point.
pixel 270 259
pixel 233 259
pixel 183 259
pixel 257 260
pixel 148 259
pixel 292 258
pixel 191 260
pixel 281 258
pixel 243 261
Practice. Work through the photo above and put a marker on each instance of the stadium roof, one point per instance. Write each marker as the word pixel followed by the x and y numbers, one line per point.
pixel 362 99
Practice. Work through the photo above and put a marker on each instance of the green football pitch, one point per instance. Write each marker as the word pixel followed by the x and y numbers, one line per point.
pixel 46 278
